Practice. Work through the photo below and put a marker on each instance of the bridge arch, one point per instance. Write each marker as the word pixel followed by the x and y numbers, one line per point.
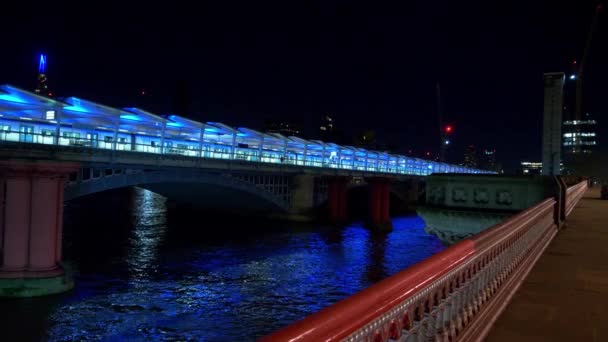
pixel 188 186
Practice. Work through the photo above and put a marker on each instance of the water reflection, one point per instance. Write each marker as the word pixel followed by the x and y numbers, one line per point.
pixel 149 228
pixel 164 275
pixel 376 268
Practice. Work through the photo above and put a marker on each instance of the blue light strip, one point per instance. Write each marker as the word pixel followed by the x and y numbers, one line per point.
pixel 218 139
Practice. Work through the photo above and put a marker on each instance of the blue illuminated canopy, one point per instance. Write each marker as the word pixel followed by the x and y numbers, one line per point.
pixel 135 129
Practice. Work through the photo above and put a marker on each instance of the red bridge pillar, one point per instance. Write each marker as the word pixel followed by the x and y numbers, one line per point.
pixel 379 203
pixel 336 199
pixel 31 214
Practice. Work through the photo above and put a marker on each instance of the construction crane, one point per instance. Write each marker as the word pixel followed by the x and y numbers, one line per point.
pixel 581 65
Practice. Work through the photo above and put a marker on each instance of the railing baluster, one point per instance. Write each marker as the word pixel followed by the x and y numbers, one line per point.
pixel 450 296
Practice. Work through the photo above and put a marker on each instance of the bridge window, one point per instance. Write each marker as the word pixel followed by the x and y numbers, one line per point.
pixel 107 139
pixel 47 132
pixel 4 131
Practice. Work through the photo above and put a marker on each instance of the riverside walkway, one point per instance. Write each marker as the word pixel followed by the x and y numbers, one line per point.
pixel 565 296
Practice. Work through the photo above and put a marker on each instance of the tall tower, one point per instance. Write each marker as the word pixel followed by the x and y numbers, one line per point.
pixel 42 87
pixel 552 122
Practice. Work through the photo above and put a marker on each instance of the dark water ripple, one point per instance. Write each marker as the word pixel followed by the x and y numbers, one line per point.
pixel 144 273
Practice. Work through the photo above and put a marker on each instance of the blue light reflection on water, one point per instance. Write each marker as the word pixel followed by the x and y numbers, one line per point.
pixel 171 280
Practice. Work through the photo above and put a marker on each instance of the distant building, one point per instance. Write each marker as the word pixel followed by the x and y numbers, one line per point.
pixel 470 157
pixel 531 168
pixel 284 128
pixel 488 161
pixel 579 141
pixel 579 136
pixel 42 87
pixel 327 125
pixel 552 122
pixel 328 131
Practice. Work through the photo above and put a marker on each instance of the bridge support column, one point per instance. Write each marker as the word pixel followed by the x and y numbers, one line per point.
pixel 336 199
pixel 303 198
pixel 379 204
pixel 31 219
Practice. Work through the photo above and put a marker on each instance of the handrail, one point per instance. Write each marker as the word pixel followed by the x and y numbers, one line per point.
pixel 574 194
pixel 451 295
pixel 342 319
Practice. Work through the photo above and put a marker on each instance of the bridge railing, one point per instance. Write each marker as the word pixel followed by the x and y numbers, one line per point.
pixel 104 140
pixel 574 194
pixel 454 295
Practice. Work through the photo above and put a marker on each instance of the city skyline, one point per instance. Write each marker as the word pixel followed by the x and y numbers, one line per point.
pixel 245 77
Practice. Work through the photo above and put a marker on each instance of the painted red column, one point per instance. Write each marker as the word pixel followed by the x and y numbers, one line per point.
pixel 374 202
pixel 379 203
pixel 342 200
pixel 32 210
pixel 60 193
pixel 15 228
pixel 386 198
pixel 43 223
pixel 336 199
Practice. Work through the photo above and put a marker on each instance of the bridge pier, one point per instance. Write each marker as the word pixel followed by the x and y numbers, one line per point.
pixel 303 198
pixel 336 199
pixel 31 227
pixel 379 203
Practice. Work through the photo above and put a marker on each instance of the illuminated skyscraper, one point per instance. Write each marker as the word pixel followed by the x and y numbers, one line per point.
pixel 470 157
pixel 531 168
pixel 42 87
pixel 489 162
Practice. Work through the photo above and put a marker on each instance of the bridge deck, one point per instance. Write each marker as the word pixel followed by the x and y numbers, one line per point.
pixel 565 296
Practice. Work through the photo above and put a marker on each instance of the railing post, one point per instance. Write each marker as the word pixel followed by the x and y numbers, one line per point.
pixel 261 148
pixel 162 138
pixel 284 149
pixel 58 124
pixel 233 148
pixel 202 138
pixel 305 153
pixel 115 136
pixel 323 156
pixel 561 192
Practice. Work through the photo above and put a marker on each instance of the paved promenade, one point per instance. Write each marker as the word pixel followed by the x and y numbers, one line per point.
pixel 565 296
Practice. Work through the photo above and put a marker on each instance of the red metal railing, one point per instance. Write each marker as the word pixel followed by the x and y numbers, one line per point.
pixel 573 195
pixel 454 295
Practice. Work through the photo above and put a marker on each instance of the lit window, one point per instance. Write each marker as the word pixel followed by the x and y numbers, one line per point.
pixel 50 115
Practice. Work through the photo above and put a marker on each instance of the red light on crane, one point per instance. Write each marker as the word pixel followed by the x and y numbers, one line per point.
pixel 449 129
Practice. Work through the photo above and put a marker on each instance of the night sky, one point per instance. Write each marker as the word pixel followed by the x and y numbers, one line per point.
pixel 370 64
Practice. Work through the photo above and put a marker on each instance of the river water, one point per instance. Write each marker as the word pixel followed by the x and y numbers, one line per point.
pixel 146 271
